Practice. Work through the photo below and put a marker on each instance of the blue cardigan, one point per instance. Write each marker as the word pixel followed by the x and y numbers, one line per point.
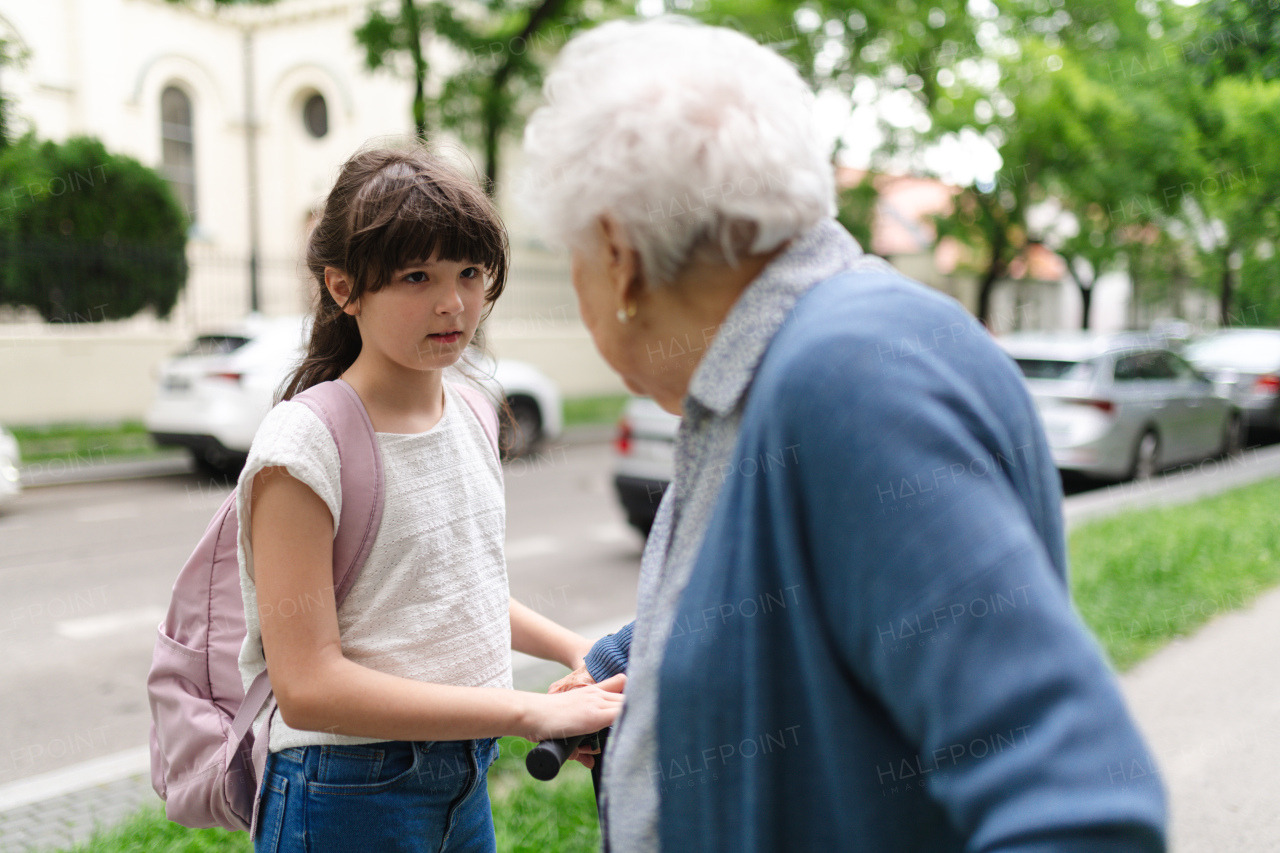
pixel 876 650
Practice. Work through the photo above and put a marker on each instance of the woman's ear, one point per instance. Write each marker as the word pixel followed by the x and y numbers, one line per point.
pixel 339 286
pixel 622 263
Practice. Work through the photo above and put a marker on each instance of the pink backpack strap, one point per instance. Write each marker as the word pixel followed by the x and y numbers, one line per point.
pixel 360 463
pixel 339 407
pixel 484 410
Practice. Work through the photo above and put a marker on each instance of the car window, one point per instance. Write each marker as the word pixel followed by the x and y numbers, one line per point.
pixel 1143 366
pixel 1048 368
pixel 1180 368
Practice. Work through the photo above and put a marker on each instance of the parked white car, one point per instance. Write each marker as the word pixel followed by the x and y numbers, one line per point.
pixel 1122 406
pixel 644 459
pixel 211 397
pixel 10 458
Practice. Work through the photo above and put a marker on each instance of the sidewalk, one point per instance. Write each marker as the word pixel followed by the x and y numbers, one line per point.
pixel 167 463
pixel 1209 706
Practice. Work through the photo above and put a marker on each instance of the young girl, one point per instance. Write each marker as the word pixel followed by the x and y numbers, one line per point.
pixel 389 707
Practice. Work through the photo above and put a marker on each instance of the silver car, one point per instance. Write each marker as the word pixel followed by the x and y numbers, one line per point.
pixel 1120 406
pixel 1245 366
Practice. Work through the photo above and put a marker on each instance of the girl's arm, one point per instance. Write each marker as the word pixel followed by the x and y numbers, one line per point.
pixel 318 689
pixel 535 634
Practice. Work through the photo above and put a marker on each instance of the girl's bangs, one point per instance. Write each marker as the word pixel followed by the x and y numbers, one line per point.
pixel 451 220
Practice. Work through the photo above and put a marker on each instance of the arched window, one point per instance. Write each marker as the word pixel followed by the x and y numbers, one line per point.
pixel 177 146
pixel 315 116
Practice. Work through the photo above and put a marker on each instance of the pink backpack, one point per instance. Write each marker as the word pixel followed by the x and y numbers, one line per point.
pixel 205 764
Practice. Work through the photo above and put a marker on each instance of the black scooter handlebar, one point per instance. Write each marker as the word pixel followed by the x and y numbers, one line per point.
pixel 545 760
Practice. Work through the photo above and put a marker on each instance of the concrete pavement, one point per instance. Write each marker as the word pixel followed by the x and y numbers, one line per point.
pixel 1209 706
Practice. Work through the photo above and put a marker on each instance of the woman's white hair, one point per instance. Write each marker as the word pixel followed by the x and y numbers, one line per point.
pixel 696 139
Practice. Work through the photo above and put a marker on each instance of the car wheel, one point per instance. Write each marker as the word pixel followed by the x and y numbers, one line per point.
pixel 642 524
pixel 1146 457
pixel 224 466
pixel 1233 436
pixel 523 429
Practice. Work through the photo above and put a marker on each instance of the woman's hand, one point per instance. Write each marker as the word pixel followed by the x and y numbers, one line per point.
pixel 580 677
pixel 575 712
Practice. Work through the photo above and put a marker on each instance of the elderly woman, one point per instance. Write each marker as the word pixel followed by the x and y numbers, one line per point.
pixel 853 627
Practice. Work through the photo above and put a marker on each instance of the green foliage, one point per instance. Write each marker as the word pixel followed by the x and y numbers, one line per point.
pixel 857 209
pixel 504 45
pixel 1141 578
pixel 1244 42
pixel 9 55
pixel 87 235
pixel 1257 301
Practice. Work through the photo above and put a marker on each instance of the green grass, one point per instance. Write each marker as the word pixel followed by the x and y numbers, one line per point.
pixel 148 831
pixel 83 443
pixel 1141 578
pixel 529 817
pixel 594 410
pixel 541 817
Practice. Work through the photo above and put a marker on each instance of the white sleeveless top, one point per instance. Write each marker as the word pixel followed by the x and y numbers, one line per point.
pixel 431 602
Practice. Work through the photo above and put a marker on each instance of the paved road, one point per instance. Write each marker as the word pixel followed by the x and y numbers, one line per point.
pixel 87 571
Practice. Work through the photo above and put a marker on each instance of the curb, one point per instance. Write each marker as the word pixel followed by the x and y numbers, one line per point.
pixel 38 474
pixel 170 463
pixel 1184 484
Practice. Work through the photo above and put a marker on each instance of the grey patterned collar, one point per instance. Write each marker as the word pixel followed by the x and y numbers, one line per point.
pixel 725 372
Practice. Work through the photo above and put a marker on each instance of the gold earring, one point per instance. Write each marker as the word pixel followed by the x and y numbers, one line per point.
pixel 630 312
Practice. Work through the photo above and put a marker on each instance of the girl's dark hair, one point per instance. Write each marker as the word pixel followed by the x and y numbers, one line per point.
pixel 391 208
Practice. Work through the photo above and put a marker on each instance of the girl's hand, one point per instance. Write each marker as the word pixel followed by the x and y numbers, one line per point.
pixel 583 711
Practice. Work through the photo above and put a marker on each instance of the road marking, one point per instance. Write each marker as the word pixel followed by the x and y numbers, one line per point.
pixel 532 546
pixel 77 777
pixel 92 627
pixel 107 512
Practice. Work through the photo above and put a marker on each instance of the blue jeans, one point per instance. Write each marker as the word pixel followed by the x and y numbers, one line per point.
pixel 392 797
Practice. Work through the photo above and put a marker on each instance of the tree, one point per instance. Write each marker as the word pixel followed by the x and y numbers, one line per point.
pixel 1236 209
pixel 503 45
pixel 383 36
pixel 87 234
pixel 1072 108
pixel 1240 38
pixel 1123 157
pixel 856 210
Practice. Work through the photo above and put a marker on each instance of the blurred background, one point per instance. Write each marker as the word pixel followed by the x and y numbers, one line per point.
pixel 1052 165
pixel 1096 181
